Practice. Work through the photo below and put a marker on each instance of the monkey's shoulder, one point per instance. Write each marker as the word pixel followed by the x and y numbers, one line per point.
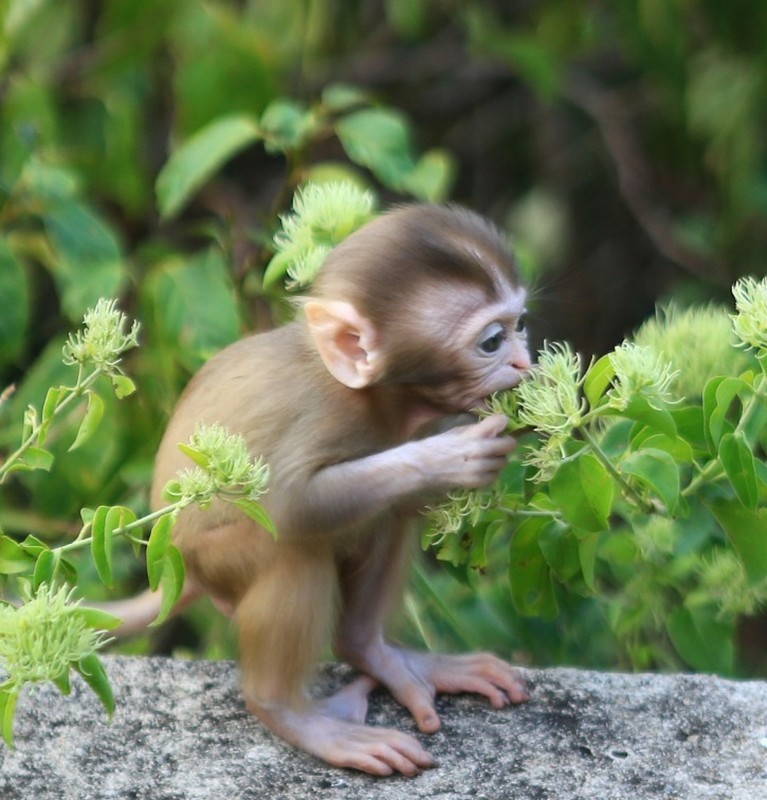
pixel 275 376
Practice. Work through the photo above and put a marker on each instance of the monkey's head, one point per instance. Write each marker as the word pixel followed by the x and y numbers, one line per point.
pixel 425 297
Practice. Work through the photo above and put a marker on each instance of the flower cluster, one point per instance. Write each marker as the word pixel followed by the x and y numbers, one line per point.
pixel 223 464
pixel 550 399
pixel 323 215
pixel 505 402
pixel 462 507
pixel 723 578
pixel 103 339
pixel 640 371
pixel 44 637
pixel 750 321
pixel 670 334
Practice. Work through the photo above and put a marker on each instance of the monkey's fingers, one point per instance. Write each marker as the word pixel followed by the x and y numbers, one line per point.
pixel 494 425
pixel 419 701
pixel 381 752
pixel 480 673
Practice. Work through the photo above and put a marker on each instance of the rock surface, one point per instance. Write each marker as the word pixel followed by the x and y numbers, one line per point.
pixel 181 732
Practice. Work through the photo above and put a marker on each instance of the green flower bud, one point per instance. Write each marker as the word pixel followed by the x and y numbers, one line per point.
pixel 750 322
pixel 639 370
pixel 323 215
pixel 550 398
pixel 225 461
pixel 698 343
pixel 103 340
pixel 41 639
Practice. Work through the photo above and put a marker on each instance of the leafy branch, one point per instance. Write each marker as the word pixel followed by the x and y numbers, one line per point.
pixel 50 633
pixel 615 450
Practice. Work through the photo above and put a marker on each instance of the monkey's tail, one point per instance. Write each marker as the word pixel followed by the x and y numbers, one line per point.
pixel 137 613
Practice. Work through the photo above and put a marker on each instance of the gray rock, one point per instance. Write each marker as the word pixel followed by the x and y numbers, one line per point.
pixel 181 732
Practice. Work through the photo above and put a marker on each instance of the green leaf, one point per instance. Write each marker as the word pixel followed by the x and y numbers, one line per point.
pixel 92 670
pixel 199 458
pixel 101 545
pixel 45 567
pixel 171 583
pixel 285 125
pixel 560 549
pixel 717 399
pixel 583 492
pixel 740 467
pixel 587 553
pixel 13 558
pixel 597 380
pixel 63 683
pixel 379 139
pixel 257 513
pixel 38 458
pixel 123 386
pixel 679 449
pixel 747 530
pixel 106 520
pixel 89 263
pixel 690 426
pixel 432 177
pixel 52 398
pixel 98 619
pixel 658 471
pixel 29 422
pixel 703 641
pixel 658 419
pixel 276 269
pixel 9 696
pixel 93 415
pixel 157 550
pixel 194 309
pixel 172 491
pixel 34 546
pixel 195 161
pixel 339 97
pixel 529 575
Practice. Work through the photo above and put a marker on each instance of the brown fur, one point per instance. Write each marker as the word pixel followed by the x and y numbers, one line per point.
pixel 416 289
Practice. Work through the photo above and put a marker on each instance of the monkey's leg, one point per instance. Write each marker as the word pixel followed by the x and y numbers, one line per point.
pixel 284 621
pixel 371 583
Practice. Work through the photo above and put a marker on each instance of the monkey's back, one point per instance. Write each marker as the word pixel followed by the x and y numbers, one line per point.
pixel 272 389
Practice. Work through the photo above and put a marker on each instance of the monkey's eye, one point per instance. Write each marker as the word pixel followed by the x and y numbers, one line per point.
pixel 521 323
pixel 492 339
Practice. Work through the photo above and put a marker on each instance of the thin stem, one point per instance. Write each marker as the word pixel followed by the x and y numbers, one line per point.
pixel 711 471
pixel 610 467
pixel 75 393
pixel 531 512
pixel 751 407
pixel 714 468
pixel 84 540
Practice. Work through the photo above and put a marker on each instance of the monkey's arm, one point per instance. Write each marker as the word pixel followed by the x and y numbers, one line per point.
pixel 345 495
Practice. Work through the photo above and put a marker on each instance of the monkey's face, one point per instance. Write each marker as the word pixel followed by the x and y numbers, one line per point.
pixel 469 348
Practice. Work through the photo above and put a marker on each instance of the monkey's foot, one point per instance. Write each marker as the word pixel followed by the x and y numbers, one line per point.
pixel 334 730
pixel 415 678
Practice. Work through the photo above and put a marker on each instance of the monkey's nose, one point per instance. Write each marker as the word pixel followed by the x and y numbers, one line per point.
pixel 521 362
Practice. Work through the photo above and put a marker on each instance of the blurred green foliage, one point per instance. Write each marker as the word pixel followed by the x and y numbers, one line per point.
pixel 147 150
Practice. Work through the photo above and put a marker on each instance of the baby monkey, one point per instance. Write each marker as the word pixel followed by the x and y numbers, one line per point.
pixel 416 317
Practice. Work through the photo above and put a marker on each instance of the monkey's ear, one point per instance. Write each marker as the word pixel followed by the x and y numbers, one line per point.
pixel 346 341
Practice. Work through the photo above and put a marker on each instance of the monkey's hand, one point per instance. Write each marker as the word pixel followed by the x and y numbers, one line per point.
pixel 466 457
